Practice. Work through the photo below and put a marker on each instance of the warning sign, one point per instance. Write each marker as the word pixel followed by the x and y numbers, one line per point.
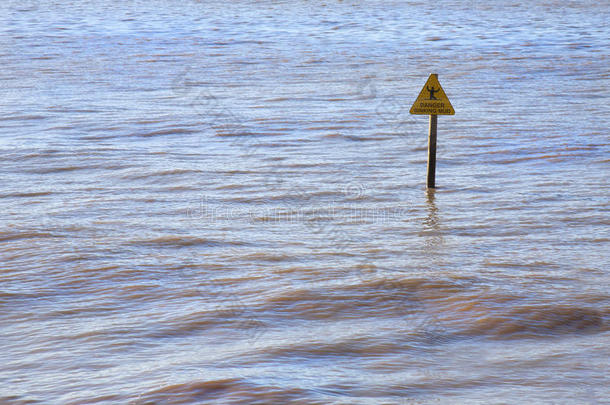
pixel 432 99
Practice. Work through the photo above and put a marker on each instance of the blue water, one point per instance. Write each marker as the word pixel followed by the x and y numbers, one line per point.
pixel 225 202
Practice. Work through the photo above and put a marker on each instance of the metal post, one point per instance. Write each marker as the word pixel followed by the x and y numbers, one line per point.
pixel 432 151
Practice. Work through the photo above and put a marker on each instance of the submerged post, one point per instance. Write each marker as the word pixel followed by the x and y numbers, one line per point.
pixel 432 151
pixel 432 101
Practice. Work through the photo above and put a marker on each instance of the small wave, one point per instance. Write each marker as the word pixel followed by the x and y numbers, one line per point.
pixel 23 118
pixel 228 133
pixel 381 297
pixel 230 390
pixel 59 169
pixel 27 194
pixel 276 99
pixel 171 172
pixel 11 236
pixel 169 131
pixel 538 322
pixel 550 157
pixel 497 315
pixel 18 399
pixel 184 241
pixel 357 348
pixel 11 297
pixel 329 128
pixel 524 266
pixel 355 138
pixel 267 257
pixel 362 138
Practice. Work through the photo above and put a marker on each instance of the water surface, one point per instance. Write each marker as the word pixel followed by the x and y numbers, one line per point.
pixel 224 202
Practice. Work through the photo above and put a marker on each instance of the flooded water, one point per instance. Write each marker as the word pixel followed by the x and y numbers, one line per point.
pixel 225 202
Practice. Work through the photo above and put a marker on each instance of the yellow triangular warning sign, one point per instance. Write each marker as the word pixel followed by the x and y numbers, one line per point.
pixel 432 99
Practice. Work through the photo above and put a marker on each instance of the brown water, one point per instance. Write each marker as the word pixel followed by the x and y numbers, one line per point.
pixel 224 202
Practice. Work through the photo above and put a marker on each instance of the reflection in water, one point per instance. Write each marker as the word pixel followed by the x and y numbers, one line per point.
pixel 431 225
